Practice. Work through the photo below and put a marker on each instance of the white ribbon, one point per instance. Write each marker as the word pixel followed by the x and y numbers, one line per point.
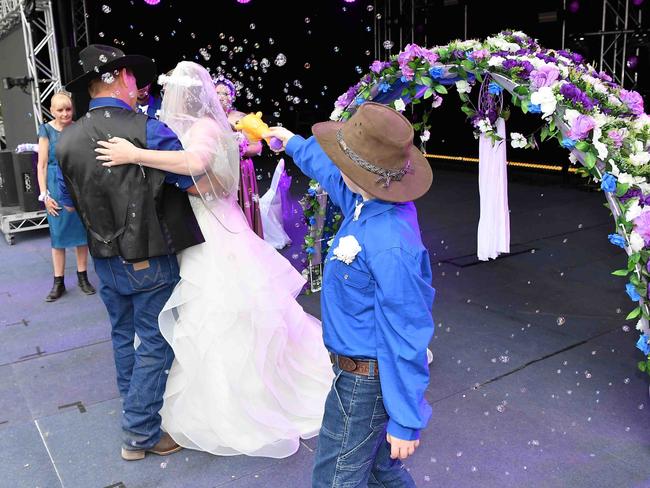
pixel 493 235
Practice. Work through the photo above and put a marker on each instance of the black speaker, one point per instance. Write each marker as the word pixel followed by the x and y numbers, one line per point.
pixel 26 177
pixel 8 194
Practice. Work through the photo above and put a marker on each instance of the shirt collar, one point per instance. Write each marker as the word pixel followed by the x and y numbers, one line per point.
pixel 103 102
pixel 372 207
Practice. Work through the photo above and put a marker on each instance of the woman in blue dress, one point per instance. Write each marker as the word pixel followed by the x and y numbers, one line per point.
pixel 66 229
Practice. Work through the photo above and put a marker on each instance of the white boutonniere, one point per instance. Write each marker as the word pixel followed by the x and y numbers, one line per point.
pixel 347 249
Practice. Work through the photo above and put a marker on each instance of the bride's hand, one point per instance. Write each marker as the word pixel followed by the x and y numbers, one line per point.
pixel 116 151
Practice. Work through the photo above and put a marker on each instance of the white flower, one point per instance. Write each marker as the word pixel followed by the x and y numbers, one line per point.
pixel 502 44
pixel 347 249
pixel 634 210
pixel 628 179
pixel 573 158
pixel 639 325
pixel 536 62
pixel 463 87
pixel 496 61
pixel 336 113
pixel 468 44
pixel 545 98
pixel 636 241
pixel 641 122
pixel 640 158
pixel 564 71
pixel 614 100
pixel 520 34
pixel 600 147
pixel 436 101
pixel 645 188
pixel 517 140
pixel 424 137
pixel 484 125
pixel 400 106
pixel 570 115
pixel 600 119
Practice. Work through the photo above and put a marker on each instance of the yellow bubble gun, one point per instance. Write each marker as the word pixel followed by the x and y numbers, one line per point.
pixel 253 127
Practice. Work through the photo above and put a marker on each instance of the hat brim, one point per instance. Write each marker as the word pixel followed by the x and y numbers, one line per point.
pixel 412 186
pixel 144 70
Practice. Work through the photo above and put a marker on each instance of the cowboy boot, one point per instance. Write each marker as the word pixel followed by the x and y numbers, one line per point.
pixel 57 290
pixel 84 284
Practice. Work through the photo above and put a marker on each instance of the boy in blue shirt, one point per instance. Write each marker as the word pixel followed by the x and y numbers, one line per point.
pixel 376 297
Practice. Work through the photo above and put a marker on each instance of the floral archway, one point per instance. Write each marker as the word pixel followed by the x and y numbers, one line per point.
pixel 603 125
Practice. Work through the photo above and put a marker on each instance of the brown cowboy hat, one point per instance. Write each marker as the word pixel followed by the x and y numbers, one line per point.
pixel 98 59
pixel 374 148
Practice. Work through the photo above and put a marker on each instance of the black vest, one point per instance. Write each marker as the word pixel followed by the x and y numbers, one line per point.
pixel 125 212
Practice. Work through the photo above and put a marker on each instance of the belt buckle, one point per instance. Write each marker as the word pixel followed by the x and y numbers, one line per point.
pixel 347 364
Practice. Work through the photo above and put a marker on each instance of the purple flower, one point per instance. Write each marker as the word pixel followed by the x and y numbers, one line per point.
pixel 479 54
pixel 582 125
pixel 510 63
pixel 633 100
pixel 378 66
pixel 430 55
pixel 458 54
pixel 616 136
pixel 573 94
pixel 642 226
pixel 604 76
pixel 544 76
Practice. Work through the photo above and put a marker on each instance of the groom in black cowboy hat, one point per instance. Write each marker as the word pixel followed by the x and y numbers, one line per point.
pixel 136 218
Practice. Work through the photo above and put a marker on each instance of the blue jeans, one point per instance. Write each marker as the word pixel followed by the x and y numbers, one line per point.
pixel 134 298
pixel 352 448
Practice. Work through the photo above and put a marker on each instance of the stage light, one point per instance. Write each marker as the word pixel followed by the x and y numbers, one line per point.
pixel 638 3
pixel 574 6
pixel 243 1
pixel 152 2
pixel 349 1
pixel 632 62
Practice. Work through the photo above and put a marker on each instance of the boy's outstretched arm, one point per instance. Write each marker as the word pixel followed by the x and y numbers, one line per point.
pixel 312 161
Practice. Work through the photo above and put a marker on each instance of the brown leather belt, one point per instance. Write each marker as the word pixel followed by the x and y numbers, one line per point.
pixel 356 366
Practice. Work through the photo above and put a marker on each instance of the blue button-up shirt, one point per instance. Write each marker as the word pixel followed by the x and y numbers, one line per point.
pixel 379 305
pixel 159 136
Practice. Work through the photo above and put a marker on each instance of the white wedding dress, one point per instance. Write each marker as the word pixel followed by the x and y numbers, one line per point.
pixel 251 373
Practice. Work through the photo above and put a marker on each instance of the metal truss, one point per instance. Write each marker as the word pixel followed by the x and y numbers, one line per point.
pixel 37 22
pixel 622 35
pixel 80 22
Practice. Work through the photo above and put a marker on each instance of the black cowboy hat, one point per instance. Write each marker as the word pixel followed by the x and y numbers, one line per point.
pixel 98 59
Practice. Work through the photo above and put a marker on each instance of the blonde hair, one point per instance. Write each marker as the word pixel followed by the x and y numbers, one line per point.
pixel 60 95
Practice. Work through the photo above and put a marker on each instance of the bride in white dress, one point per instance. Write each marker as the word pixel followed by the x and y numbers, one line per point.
pixel 251 373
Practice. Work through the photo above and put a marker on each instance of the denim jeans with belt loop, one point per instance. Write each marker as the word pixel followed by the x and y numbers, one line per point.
pixel 352 448
pixel 134 295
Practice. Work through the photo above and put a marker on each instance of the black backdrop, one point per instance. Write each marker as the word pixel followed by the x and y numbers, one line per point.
pixel 329 44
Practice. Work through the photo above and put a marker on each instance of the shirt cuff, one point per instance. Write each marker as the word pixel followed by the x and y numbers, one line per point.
pixel 293 144
pixel 400 432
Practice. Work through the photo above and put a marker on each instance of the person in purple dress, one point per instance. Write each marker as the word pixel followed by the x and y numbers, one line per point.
pixel 249 198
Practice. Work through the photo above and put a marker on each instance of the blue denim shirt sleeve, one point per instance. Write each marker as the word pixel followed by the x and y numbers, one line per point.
pixel 162 138
pixel 404 327
pixel 313 161
pixel 64 196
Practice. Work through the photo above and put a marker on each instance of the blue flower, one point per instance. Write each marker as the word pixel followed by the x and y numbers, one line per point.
pixel 360 100
pixel 534 108
pixel 494 88
pixel 642 344
pixel 384 87
pixel 311 192
pixel 310 250
pixel 312 221
pixel 609 183
pixel 568 143
pixel 617 240
pixel 436 72
pixel 632 293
